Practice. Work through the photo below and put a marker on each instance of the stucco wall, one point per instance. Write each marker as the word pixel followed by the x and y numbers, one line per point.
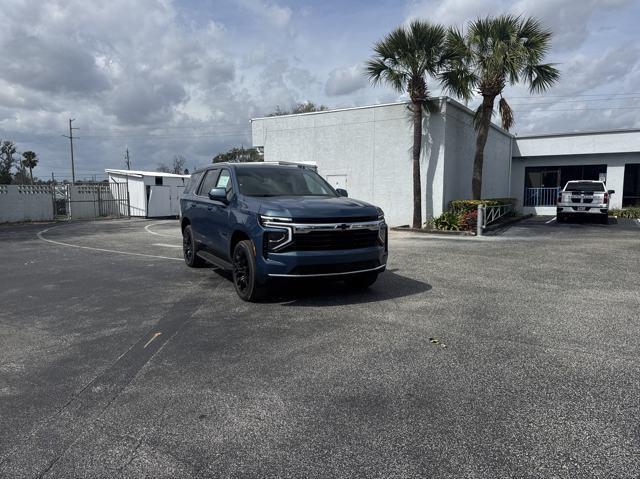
pixel 588 143
pixel 370 146
pixel 26 203
pixel 460 151
pixel 615 170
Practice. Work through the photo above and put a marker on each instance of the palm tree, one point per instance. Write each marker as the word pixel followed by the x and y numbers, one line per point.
pixel 494 52
pixel 404 59
pixel 30 161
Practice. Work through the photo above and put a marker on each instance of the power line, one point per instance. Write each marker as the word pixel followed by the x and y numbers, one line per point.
pixel 576 95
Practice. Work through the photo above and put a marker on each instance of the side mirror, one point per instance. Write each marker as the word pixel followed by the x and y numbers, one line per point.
pixel 611 192
pixel 342 192
pixel 218 194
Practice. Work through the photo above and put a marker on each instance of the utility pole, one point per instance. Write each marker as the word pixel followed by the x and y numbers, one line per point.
pixel 128 161
pixel 73 169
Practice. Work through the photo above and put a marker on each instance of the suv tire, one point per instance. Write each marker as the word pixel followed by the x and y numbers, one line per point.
pixel 362 280
pixel 190 249
pixel 244 273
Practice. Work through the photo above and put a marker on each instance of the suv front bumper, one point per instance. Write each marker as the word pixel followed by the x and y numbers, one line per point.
pixel 310 264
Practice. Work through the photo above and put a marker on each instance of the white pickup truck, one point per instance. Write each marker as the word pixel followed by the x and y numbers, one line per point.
pixel 584 197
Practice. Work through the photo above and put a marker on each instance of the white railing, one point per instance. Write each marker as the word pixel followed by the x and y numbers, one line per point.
pixel 490 214
pixel 540 196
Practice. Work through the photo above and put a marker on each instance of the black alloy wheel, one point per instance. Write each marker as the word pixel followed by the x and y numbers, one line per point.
pixel 189 249
pixel 244 273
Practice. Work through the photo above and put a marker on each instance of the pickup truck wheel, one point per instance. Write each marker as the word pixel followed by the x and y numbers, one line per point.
pixel 604 219
pixel 244 273
pixel 189 249
pixel 362 280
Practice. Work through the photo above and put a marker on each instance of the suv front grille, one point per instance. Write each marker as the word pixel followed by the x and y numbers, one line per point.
pixel 333 240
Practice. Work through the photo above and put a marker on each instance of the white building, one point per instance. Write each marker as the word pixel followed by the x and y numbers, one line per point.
pixel 367 151
pixel 152 194
pixel 544 163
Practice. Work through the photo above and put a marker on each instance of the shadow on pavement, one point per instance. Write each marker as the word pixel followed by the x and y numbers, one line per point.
pixel 323 292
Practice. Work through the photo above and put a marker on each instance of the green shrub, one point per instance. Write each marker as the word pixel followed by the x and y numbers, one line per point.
pixel 460 206
pixel 449 221
pixel 633 213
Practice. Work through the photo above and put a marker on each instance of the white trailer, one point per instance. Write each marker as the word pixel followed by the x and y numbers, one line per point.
pixel 152 194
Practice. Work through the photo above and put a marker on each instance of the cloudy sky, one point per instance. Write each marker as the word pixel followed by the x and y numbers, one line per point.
pixel 184 77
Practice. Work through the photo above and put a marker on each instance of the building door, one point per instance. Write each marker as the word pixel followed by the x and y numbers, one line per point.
pixel 631 189
pixel 159 201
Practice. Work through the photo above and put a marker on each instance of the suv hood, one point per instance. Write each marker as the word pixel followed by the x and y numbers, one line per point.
pixel 318 207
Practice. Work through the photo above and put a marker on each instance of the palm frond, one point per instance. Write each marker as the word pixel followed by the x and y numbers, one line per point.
pixel 407 55
pixel 541 77
pixel 506 114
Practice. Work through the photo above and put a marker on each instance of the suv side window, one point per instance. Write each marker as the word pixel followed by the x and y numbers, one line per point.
pixel 209 181
pixel 224 181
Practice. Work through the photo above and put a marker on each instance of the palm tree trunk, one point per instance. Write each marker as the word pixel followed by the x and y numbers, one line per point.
pixel 31 174
pixel 481 141
pixel 417 147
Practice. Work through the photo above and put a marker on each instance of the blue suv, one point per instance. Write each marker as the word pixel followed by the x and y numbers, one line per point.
pixel 262 222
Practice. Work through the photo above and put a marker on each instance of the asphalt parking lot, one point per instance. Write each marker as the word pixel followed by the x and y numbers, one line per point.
pixel 514 355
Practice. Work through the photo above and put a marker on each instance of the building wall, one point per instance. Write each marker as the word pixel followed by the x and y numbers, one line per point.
pixel 588 143
pixel 26 203
pixel 460 152
pixel 615 171
pixel 137 193
pixel 369 148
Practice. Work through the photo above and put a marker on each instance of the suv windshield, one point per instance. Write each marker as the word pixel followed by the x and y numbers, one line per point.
pixel 583 186
pixel 288 181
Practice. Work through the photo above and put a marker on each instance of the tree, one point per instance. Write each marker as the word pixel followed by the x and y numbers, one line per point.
pixel 494 52
pixel 7 161
pixel 238 155
pixel 30 161
pixel 178 164
pixel 162 168
pixel 304 107
pixel 404 59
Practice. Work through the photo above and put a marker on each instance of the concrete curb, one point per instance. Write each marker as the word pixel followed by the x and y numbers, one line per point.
pixel 433 231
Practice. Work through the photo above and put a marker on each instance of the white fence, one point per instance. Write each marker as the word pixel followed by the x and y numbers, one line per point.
pixel 73 202
pixel 26 203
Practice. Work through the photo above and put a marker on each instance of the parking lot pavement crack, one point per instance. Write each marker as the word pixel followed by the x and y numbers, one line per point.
pixel 38 453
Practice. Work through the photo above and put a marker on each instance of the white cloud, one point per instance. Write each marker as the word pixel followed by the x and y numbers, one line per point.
pixel 344 81
pixel 275 14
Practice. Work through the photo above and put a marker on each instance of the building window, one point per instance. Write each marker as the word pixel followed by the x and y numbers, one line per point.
pixel 158 180
pixel 542 183
pixel 631 190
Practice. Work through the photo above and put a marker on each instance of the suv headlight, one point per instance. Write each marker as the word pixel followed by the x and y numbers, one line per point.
pixel 382 231
pixel 278 235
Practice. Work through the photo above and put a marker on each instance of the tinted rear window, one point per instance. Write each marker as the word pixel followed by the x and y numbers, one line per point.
pixel 584 186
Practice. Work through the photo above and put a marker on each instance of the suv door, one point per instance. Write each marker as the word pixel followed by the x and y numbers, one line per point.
pixel 199 208
pixel 218 213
